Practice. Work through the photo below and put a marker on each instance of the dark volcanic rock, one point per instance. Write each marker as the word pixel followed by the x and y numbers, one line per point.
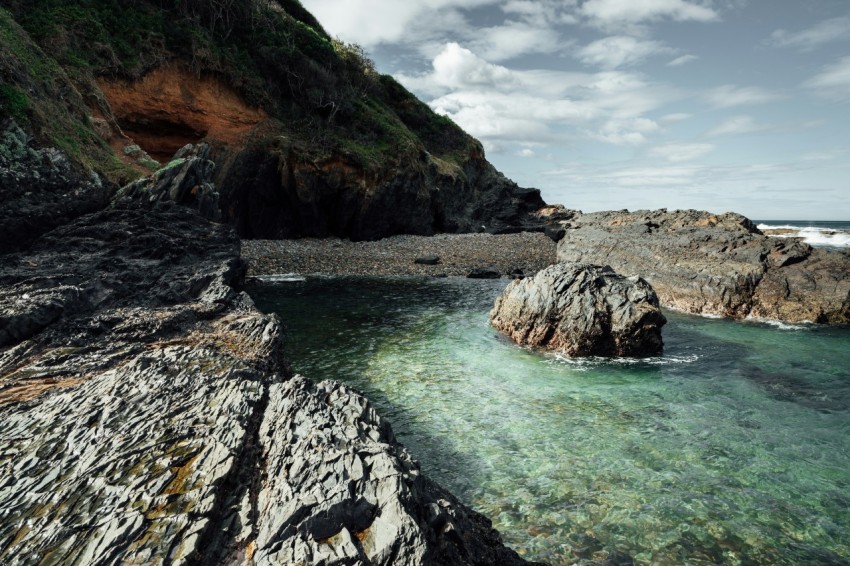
pixel 582 310
pixel 148 417
pixel 699 262
pixel 484 273
pixel 40 189
pixel 275 195
pixel 555 231
pixel 186 180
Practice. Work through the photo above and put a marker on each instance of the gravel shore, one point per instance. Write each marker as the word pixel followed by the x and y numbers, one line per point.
pixel 459 254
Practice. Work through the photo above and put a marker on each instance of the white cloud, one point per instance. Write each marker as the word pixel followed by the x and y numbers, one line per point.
pixel 619 51
pixel 727 96
pixel 736 125
pixel 526 152
pixel 630 132
pixel 373 22
pixel 539 12
pixel 678 152
pixel 834 29
pixel 674 118
pixel 624 12
pixel 513 39
pixel 684 59
pixel 833 81
pixel 538 106
pixel 458 67
pixel 826 155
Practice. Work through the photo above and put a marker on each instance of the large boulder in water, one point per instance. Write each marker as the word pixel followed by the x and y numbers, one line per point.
pixel 582 310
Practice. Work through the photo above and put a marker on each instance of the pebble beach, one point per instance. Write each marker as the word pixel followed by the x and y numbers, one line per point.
pixel 458 255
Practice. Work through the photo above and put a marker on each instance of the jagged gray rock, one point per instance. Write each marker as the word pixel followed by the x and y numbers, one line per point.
pixel 582 310
pixel 722 264
pixel 186 180
pixel 146 417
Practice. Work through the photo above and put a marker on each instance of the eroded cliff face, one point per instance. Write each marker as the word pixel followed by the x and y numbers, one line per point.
pixel 280 194
pixel 172 106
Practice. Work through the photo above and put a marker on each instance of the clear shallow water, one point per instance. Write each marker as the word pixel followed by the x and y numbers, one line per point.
pixel 733 447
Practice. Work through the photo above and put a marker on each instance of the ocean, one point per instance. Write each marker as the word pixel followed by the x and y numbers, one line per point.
pixel 829 234
pixel 732 447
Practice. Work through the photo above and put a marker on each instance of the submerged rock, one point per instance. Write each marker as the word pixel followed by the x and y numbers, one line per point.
pixel 149 417
pixel 582 310
pixel 722 264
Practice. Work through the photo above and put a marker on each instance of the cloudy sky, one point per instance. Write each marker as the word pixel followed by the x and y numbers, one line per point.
pixel 605 104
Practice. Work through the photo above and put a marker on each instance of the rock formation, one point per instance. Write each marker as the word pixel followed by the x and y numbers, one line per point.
pixel 581 310
pixel 147 415
pixel 186 180
pixel 271 194
pixel 308 139
pixel 703 263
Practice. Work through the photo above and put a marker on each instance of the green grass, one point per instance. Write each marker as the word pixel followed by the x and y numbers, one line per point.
pixel 15 103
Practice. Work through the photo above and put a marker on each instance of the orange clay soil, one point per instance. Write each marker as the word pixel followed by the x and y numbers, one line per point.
pixel 172 106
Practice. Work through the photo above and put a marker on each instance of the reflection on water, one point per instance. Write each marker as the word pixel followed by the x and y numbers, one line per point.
pixel 733 447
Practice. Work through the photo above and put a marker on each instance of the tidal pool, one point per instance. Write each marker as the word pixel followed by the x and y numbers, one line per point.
pixel 733 447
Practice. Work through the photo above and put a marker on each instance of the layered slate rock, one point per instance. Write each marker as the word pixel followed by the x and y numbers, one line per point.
pixel 148 416
pixel 582 310
pixel 341 490
pixel 704 263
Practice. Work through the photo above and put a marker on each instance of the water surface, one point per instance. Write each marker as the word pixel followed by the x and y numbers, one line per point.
pixel 733 447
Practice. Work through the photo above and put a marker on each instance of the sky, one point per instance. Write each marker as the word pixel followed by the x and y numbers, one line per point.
pixel 716 105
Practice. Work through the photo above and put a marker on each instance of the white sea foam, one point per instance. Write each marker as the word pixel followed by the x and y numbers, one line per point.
pixel 282 278
pixel 588 363
pixel 814 236
pixel 779 324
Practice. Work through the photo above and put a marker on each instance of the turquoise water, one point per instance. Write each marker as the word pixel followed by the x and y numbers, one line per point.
pixel 733 447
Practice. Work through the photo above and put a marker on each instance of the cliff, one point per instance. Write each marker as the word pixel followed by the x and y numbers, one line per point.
pixel 309 140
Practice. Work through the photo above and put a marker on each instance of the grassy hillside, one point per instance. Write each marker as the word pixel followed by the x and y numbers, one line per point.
pixel 324 95
pixel 37 93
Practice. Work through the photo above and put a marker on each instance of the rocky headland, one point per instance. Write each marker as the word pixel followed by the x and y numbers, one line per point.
pixel 582 310
pixel 715 264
